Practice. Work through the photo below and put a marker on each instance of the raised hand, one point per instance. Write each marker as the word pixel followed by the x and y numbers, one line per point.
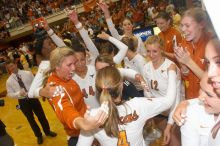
pixel 73 16
pixel 104 8
pixel 45 24
pixel 103 36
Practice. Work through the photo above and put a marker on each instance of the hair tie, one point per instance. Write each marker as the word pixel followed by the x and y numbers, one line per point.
pixel 104 88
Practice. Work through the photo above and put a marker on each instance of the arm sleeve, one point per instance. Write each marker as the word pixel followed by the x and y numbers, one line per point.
pixel 88 42
pixel 122 50
pixel 85 138
pixel 57 40
pixel 112 29
pixel 177 101
pixel 128 73
pixel 37 83
pixel 140 63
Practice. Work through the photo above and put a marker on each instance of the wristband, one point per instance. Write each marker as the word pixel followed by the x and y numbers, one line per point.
pixel 79 25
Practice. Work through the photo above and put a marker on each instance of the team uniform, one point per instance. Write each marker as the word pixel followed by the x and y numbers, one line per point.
pixel 87 86
pixel 168 38
pixel 68 105
pixel 158 80
pixel 133 114
pixel 137 63
pixel 198 125
pixel 140 49
pixel 197 53
pixel 94 51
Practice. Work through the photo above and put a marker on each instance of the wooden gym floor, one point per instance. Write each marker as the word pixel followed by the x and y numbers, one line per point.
pixel 19 129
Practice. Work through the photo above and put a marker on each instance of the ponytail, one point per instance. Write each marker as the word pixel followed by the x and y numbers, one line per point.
pixel 111 124
pixel 109 88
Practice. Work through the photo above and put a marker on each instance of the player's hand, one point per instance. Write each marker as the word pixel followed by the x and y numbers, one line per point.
pixel 179 115
pixel 167 135
pixel 104 8
pixel 103 36
pixel 73 16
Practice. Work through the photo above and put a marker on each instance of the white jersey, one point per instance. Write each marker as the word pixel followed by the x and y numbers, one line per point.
pixel 216 141
pixel 140 48
pixel 157 80
pixel 196 129
pixel 134 113
pixel 137 63
pixel 87 86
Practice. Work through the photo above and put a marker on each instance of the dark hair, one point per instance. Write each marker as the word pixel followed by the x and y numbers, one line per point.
pixel 9 61
pixel 40 35
pixel 131 42
pixel 164 15
pixel 78 47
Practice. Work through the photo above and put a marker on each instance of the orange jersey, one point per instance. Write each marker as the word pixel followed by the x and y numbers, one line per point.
pixel 197 53
pixel 68 105
pixel 167 38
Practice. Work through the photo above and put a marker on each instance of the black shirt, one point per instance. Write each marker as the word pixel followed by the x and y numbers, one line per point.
pixel 129 91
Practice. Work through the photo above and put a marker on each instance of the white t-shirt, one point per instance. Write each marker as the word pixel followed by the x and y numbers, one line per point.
pixel 87 86
pixel 196 129
pixel 139 110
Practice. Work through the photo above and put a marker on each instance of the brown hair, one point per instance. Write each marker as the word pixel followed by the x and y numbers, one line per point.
pixel 109 87
pixel 131 42
pixel 105 58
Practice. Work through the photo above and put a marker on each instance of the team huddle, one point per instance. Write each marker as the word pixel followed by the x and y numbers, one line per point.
pixel 164 79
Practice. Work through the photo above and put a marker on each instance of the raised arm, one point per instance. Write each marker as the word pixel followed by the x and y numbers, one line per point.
pixel 111 26
pixel 121 46
pixel 84 33
pixel 57 40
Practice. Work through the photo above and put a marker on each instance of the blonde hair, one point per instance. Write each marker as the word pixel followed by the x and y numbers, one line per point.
pixel 109 87
pixel 154 39
pixel 57 56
